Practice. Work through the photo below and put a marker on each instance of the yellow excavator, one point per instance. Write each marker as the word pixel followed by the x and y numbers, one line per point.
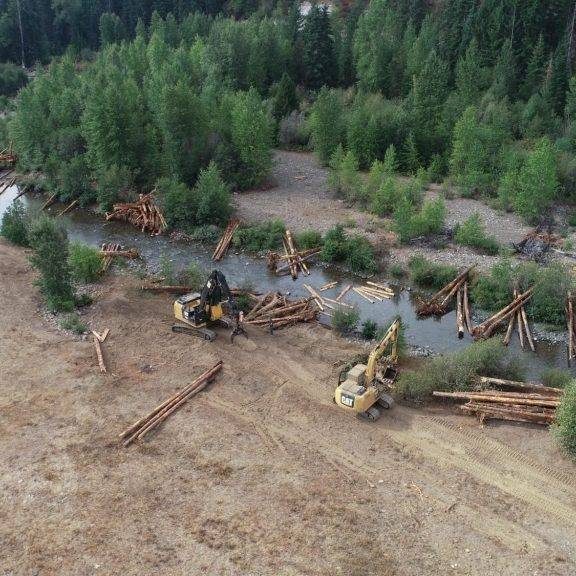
pixel 363 388
pixel 213 306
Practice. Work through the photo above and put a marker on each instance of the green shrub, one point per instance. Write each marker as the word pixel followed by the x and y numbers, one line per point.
pixel 15 224
pixel 556 378
pixel 112 182
pixel 430 275
pixel 309 239
pixel 396 271
pixel 369 329
pixel 85 262
pixel 458 371
pixel 261 237
pixel 208 233
pixel 430 219
pixel 50 258
pixel 73 323
pixel 572 219
pixel 472 233
pixel 565 427
pixel 213 196
pixel 355 251
pixel 385 199
pixel 166 269
pixel 193 276
pixel 179 203
pixel 345 321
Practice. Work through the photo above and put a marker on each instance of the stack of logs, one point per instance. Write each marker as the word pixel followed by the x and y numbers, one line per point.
pixel 487 327
pixel 295 262
pixel 110 251
pixel 519 402
pixel 7 157
pixel 571 328
pixel 373 291
pixel 438 304
pixel 224 243
pixel 144 214
pixel 521 319
pixel 140 428
pixel 274 310
pixel 281 264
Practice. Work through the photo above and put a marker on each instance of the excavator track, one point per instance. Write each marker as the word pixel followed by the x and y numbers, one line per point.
pixel 202 333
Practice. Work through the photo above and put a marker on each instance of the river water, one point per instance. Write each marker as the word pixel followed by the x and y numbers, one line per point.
pixel 434 335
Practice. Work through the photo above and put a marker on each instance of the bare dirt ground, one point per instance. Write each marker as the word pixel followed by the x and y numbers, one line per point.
pixel 299 195
pixel 260 474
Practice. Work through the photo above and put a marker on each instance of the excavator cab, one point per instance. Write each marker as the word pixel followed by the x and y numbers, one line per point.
pixel 364 388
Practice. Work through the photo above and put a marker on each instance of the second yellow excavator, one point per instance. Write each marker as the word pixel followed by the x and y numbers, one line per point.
pixel 364 388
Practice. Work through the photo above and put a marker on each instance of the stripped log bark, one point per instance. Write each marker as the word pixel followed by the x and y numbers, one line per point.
pixel 225 240
pixel 527 386
pixel 49 202
pixel 344 292
pixel 437 304
pixel 99 354
pixel 544 402
pixel 70 206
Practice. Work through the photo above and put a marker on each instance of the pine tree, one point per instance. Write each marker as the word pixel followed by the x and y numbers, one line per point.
pixel 390 160
pixel 471 76
pixel 411 156
pixel 537 182
pixel 570 108
pixel 326 124
pixel 318 56
pixel 213 197
pixel 285 98
pixel 536 69
pixel 50 244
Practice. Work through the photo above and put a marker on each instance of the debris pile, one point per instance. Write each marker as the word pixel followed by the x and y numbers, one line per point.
pixel 537 243
pixel 487 327
pixel 274 310
pixel 281 263
pixel 140 428
pixel 518 402
pixel 224 243
pixel 7 157
pixel 372 292
pixel 144 214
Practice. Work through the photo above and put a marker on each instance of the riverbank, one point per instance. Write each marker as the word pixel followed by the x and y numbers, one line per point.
pixel 427 490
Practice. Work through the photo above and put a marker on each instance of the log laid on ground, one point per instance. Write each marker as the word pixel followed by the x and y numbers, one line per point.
pixel 360 293
pixel 544 402
pixel 328 286
pixel 5 187
pixel 97 345
pixel 485 329
pixel 459 315
pixel 49 202
pixel 224 243
pixel 466 302
pixel 70 206
pixel 167 289
pixel 276 311
pixel 122 253
pixel 437 304
pixel 527 386
pixel 140 428
pixel 485 410
pixel 22 192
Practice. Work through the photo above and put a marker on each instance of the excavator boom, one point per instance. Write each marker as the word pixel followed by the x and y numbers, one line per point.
pixel 390 338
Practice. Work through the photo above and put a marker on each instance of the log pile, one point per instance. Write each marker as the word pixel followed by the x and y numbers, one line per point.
pixel 520 318
pixel 7 157
pixel 274 310
pixel 571 328
pixel 438 304
pixel 487 327
pixel 144 214
pixel 280 263
pixel 373 292
pixel 224 243
pixel 140 428
pixel 524 403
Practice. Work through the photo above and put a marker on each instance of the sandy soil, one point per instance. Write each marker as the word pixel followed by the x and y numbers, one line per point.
pixel 260 474
pixel 299 195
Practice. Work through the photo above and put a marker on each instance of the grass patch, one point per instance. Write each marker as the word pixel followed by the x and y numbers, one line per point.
pixel 473 233
pixel 309 239
pixel 369 330
pixel 85 262
pixel 556 378
pixel 426 274
pixel 262 237
pixel 458 371
pixel 73 323
pixel 565 427
pixel 396 271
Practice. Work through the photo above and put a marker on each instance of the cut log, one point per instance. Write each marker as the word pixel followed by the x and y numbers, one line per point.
pixel 527 386
pixel 360 293
pixel 467 315
pixel 344 292
pixel 167 289
pixel 499 399
pixel 99 354
pixel 49 202
pixel 527 329
pixel 70 206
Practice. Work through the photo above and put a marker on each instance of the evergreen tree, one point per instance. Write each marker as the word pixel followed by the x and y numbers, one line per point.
pixel 111 29
pixel 213 196
pixel 50 244
pixel 318 56
pixel 536 69
pixel 471 76
pixel 411 156
pixel 326 124
pixel 390 160
pixel 285 98
pixel 537 182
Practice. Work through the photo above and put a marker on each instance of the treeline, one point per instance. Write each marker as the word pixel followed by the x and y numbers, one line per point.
pixel 480 93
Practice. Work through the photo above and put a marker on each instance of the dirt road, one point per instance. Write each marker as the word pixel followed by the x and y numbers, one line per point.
pixel 258 475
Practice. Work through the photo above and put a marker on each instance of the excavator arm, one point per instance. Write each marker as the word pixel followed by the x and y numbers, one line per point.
pixel 216 291
pixel 390 338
